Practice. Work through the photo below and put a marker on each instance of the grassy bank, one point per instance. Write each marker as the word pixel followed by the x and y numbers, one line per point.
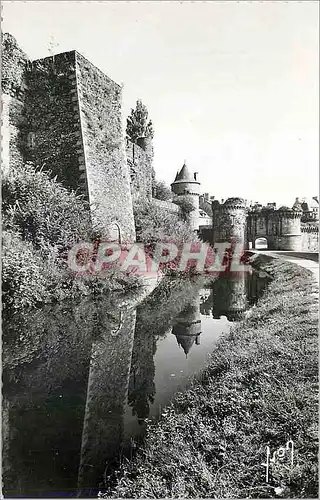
pixel 260 389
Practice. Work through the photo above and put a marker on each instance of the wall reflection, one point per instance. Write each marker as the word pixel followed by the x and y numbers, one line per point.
pixel 70 370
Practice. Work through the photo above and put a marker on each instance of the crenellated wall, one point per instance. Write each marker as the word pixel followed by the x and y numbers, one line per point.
pixel 229 220
pixel 309 238
pixel 283 230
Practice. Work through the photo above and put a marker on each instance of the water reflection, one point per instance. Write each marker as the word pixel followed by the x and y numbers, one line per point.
pixel 187 325
pixel 79 381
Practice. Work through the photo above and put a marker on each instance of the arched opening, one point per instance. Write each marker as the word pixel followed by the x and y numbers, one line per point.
pixel 114 232
pixel 261 244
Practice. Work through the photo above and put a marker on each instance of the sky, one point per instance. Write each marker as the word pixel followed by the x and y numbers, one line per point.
pixel 231 87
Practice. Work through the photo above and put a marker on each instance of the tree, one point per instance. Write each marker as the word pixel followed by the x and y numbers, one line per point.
pixel 161 191
pixel 137 123
pixel 186 206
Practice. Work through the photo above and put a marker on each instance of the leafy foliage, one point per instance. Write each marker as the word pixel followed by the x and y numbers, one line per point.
pixel 42 210
pixel 186 206
pixel 138 124
pixel 155 223
pixel 23 272
pixel 161 191
pixel 41 221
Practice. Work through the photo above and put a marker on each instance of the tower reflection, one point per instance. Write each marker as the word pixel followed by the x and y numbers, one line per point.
pixel 229 297
pixel 187 325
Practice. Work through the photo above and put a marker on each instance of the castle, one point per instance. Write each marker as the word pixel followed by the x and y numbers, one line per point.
pixel 64 115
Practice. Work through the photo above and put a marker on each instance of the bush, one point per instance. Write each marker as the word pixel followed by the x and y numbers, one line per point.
pixel 43 211
pixel 41 221
pixel 186 206
pixel 23 272
pixel 154 223
pixel 161 191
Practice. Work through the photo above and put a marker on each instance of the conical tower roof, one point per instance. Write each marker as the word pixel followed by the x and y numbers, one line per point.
pixel 177 175
pixel 184 174
pixel 186 342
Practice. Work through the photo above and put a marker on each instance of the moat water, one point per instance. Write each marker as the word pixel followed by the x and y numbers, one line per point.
pixel 79 381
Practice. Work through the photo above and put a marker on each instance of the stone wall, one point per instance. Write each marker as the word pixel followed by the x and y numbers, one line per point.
pixel 281 228
pixel 167 205
pixel 14 68
pixel 140 165
pixel 107 392
pixel 309 238
pixel 64 115
pixel 52 136
pixel 104 162
pixel 229 221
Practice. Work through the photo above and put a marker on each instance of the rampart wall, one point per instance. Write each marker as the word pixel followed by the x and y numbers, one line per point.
pixel 139 158
pixel 64 115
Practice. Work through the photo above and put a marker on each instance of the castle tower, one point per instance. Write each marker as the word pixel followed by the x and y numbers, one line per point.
pixel 63 114
pixel 229 221
pixel 187 326
pixel 187 187
pixel 289 229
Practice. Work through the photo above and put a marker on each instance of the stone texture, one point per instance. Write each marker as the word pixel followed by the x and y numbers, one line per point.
pixel 229 221
pixel 64 115
pixel 309 238
pixel 104 149
pixel 13 82
pixel 140 165
pixel 52 118
pixel 282 228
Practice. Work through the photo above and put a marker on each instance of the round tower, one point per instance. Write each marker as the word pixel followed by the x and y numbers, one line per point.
pixel 187 187
pixel 290 229
pixel 229 221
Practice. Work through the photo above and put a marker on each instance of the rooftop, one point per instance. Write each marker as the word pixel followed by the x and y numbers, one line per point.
pixel 184 175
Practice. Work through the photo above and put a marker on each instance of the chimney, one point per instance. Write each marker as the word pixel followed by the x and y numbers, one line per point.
pixel 195 175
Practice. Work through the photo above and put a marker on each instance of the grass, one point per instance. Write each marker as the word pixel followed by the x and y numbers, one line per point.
pixel 259 389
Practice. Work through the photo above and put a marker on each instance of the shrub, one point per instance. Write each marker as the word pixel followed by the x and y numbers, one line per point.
pixel 41 221
pixel 161 191
pixel 24 277
pixel 42 210
pixel 154 223
pixel 186 205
